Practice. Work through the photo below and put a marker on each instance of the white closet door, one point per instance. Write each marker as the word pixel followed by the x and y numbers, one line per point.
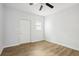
pixel 24 27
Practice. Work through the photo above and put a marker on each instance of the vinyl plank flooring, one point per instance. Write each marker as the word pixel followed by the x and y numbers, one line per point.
pixel 40 48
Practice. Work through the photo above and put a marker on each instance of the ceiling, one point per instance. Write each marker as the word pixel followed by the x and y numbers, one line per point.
pixel 35 8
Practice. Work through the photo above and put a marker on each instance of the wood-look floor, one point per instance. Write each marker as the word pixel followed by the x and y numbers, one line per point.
pixel 41 48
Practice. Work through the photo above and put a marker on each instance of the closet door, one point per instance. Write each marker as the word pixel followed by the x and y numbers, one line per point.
pixel 24 29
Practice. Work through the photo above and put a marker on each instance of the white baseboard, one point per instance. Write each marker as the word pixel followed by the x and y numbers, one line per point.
pixel 36 40
pixel 64 45
pixel 15 44
pixel 12 45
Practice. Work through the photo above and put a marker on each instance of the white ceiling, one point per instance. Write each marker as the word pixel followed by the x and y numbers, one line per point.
pixel 35 8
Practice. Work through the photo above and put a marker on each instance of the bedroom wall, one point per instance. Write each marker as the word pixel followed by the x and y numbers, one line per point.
pixel 1 27
pixel 12 17
pixel 63 27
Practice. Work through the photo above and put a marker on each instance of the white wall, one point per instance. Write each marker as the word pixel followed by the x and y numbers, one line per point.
pixel 63 27
pixel 12 17
pixel 37 35
pixel 1 27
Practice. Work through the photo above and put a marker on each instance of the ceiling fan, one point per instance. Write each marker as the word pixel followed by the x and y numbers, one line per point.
pixel 42 5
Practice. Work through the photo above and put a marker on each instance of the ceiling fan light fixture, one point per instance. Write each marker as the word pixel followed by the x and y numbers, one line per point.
pixel 42 5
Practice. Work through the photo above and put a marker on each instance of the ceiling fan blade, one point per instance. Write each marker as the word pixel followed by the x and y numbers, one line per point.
pixel 41 7
pixel 47 4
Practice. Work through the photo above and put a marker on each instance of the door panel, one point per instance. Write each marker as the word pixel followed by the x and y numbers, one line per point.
pixel 24 29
